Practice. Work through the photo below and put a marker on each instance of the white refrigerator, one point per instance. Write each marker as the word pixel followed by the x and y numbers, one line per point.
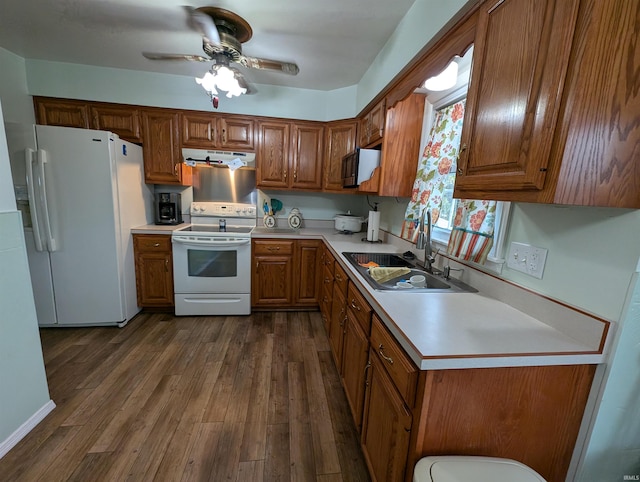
pixel 80 191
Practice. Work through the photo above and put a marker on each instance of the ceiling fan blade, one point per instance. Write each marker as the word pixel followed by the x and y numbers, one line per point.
pixel 203 24
pixel 160 56
pixel 267 64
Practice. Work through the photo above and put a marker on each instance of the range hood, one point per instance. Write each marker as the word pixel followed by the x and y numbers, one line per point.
pixel 218 158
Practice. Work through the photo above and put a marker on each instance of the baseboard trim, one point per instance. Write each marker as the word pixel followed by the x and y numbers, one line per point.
pixel 25 428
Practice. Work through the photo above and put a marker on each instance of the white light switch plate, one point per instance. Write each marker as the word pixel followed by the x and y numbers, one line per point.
pixel 527 259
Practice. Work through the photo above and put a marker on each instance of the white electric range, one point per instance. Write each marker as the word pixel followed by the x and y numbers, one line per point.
pixel 212 260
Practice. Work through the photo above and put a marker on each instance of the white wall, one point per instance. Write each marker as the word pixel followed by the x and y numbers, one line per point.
pixel 57 79
pixel 24 394
pixel 17 104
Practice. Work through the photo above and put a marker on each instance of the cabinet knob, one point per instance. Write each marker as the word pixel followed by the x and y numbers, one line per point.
pixel 166 265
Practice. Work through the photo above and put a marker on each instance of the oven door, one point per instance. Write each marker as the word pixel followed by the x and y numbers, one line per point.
pixel 212 265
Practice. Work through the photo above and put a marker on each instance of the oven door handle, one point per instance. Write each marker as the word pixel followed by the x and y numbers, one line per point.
pixel 212 242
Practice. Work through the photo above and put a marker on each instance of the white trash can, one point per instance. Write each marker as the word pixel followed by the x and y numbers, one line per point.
pixel 463 468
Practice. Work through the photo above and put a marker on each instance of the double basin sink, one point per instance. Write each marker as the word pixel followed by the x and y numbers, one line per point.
pixel 433 283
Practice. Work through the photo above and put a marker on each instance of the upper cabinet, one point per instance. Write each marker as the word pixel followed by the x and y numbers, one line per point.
pixel 400 149
pixel 61 112
pixel 162 152
pixel 521 56
pixel 123 120
pixel 212 131
pixel 339 140
pixel 289 155
pixel 553 104
pixel 372 125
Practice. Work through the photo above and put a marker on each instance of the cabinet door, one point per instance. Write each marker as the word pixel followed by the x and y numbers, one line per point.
pixel 401 147
pixel 272 160
pixel 309 266
pixel 386 426
pixel 354 363
pixel 306 155
pixel 340 140
pixel 162 153
pixel 337 326
pixel 234 132
pixel 65 113
pixel 272 281
pixel 520 60
pixel 121 120
pixel 198 130
pixel 377 119
pixel 154 270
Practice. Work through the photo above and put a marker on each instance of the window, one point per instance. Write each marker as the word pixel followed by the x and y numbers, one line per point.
pixel 479 226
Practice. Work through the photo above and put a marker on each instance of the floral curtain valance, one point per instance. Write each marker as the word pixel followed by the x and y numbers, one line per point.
pixel 438 160
pixel 471 237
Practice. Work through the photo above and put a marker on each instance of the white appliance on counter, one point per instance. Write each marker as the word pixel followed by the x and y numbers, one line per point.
pixel 212 260
pixel 85 191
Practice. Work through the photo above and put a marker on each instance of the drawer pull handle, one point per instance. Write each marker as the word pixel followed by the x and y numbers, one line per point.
pixel 274 248
pixel 385 357
pixel 354 306
pixel 338 277
pixel 166 265
pixel 156 245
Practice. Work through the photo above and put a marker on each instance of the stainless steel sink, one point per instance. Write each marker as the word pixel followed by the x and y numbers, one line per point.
pixel 434 283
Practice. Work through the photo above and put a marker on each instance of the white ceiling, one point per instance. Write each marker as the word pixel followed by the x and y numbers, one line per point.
pixel 333 41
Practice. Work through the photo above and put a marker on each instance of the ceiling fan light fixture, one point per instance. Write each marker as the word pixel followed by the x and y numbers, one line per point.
pixel 444 80
pixel 221 77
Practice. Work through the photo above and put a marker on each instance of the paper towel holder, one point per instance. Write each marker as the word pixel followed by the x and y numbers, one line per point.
pixel 373 225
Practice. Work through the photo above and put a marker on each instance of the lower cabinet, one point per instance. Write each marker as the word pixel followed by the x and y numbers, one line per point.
pixel 286 274
pixel 355 353
pixel 530 414
pixel 386 426
pixel 154 270
pixel 337 325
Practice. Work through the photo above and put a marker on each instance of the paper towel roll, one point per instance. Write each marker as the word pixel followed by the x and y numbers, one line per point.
pixel 373 226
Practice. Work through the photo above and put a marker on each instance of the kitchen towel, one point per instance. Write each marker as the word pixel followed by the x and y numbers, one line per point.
pixel 373 226
pixel 382 275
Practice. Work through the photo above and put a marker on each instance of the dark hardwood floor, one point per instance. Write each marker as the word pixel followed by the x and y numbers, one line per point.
pixel 247 398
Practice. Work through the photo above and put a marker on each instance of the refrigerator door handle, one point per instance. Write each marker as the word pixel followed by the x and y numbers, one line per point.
pixel 51 240
pixel 33 205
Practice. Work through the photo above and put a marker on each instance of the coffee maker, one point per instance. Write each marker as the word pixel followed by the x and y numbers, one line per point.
pixel 168 208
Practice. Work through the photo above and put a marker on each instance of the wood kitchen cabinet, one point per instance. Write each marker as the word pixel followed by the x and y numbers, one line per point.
pixel 289 155
pixel 372 125
pixel 339 140
pixel 355 354
pixel 308 262
pixel 213 131
pixel 123 120
pixel 154 270
pixel 400 149
pixel 162 152
pixel 337 326
pixel 567 130
pixel 62 112
pixel 272 280
pixel 326 297
pixel 287 273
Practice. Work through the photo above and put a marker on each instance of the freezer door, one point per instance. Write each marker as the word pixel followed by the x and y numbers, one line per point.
pixel 41 281
pixel 82 200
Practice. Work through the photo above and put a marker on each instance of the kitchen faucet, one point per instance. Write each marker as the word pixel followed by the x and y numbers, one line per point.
pixel 424 239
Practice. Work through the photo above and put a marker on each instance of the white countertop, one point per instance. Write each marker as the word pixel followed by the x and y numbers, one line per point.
pixel 449 330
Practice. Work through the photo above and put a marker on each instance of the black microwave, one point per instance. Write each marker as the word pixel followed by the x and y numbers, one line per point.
pixel 358 166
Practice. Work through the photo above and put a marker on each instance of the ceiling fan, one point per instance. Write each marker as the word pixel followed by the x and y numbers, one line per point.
pixel 223 33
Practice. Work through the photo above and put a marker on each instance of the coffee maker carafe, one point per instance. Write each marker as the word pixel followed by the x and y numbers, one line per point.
pixel 168 208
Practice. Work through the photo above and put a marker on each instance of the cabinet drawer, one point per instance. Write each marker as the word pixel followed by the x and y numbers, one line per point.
pixel 359 308
pixel 399 366
pixel 340 278
pixel 273 247
pixel 152 242
pixel 327 277
pixel 328 260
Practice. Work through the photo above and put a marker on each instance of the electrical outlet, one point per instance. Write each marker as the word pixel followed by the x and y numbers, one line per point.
pixel 527 259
